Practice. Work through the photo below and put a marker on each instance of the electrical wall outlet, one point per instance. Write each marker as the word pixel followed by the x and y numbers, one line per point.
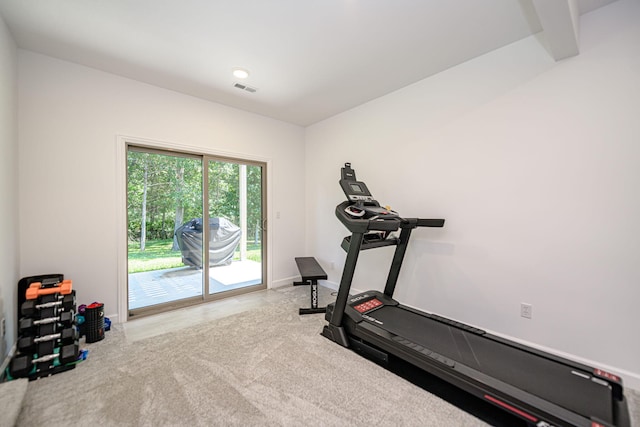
pixel 526 310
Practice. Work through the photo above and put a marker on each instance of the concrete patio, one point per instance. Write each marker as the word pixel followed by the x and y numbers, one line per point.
pixel 161 286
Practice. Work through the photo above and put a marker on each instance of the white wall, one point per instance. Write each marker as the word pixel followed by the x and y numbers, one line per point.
pixel 534 165
pixel 69 121
pixel 8 183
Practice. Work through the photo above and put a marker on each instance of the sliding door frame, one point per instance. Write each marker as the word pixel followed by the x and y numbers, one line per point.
pixel 177 303
pixel 208 296
pixel 122 144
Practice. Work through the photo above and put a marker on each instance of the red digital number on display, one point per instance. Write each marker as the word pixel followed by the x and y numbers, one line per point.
pixel 368 305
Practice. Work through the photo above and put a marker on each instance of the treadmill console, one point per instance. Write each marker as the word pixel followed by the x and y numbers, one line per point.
pixel 363 205
pixel 356 191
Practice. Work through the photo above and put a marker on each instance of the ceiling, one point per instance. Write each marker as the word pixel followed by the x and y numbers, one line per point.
pixel 308 59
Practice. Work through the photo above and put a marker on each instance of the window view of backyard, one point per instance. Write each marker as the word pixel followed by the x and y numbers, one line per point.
pixel 159 255
pixel 166 251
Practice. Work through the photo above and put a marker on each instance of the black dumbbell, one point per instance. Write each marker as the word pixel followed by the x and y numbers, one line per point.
pixel 66 336
pixel 30 307
pixel 21 366
pixel 65 318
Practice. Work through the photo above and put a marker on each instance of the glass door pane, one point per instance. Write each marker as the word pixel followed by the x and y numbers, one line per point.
pixel 237 236
pixel 164 210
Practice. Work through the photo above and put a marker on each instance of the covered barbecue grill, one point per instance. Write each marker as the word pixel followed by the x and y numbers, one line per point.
pixel 224 238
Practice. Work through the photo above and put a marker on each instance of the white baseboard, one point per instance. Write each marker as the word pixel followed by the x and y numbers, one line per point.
pixel 287 281
pixel 331 285
pixel 113 317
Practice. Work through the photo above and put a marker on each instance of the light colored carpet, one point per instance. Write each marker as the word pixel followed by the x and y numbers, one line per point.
pixel 11 396
pixel 264 367
pixel 633 398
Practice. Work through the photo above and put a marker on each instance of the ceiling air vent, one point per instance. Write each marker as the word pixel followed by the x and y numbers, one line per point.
pixel 245 87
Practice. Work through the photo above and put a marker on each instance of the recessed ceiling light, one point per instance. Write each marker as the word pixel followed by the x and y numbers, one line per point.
pixel 240 73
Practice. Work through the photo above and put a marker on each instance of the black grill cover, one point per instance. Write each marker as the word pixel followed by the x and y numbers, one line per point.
pixel 224 238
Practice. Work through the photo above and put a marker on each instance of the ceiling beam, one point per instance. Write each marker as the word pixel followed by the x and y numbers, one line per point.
pixel 559 20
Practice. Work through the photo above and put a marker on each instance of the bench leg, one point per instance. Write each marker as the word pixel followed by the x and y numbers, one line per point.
pixel 304 282
pixel 314 301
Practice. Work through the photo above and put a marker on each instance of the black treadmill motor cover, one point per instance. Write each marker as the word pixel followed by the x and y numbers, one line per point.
pixel 224 238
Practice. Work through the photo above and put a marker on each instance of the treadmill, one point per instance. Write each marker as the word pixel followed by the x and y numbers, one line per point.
pixel 542 389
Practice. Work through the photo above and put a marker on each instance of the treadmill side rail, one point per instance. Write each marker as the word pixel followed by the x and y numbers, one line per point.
pixel 473 381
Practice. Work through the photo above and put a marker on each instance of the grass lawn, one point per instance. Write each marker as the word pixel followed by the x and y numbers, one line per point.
pixel 159 256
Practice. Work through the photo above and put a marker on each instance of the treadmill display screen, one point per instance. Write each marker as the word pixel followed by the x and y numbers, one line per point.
pixel 356 188
pixel 368 305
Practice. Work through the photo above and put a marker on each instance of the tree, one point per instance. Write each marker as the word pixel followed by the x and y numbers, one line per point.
pixel 224 190
pixel 143 215
pixel 137 192
pixel 254 202
pixel 187 194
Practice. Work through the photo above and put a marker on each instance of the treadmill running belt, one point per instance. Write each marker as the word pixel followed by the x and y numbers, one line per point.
pixel 511 365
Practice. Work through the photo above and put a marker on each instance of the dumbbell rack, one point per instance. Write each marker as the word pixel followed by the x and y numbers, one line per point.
pixel 48 338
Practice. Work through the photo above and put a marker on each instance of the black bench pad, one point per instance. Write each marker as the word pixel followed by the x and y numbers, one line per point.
pixel 310 269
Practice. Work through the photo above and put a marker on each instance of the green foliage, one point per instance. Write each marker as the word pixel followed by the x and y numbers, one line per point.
pixel 224 191
pixel 159 256
pixel 254 252
pixel 224 195
pixel 254 203
pixel 156 256
pixel 168 189
pixel 172 184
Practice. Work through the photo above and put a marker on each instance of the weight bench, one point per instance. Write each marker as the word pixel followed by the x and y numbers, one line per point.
pixel 311 272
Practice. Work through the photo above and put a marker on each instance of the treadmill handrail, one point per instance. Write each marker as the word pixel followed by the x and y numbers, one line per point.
pixel 430 222
pixel 421 222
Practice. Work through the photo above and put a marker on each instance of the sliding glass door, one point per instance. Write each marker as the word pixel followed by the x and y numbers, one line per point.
pixel 185 212
pixel 162 190
pixel 235 199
